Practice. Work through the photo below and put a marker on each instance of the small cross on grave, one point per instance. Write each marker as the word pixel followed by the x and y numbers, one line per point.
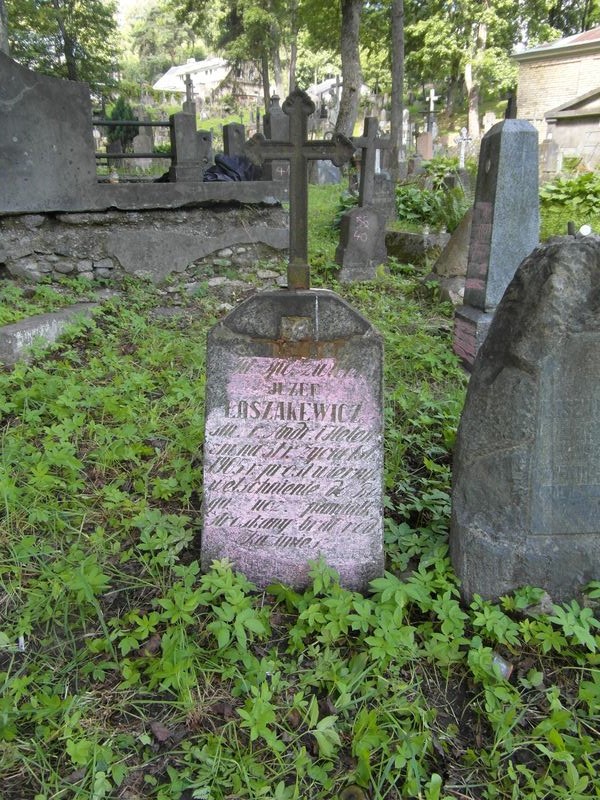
pixel 431 109
pixel 189 105
pixel 462 141
pixel 298 151
pixel 369 143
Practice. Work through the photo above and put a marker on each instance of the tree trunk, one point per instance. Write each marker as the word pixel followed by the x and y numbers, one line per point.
pixel 472 82
pixel 293 62
pixel 396 122
pixel 277 71
pixel 473 102
pixel 3 29
pixel 264 61
pixel 293 46
pixel 351 72
pixel 68 43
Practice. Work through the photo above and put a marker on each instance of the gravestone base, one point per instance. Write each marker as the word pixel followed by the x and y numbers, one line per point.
pixel 526 466
pixel 471 326
pixel 293 451
pixel 362 244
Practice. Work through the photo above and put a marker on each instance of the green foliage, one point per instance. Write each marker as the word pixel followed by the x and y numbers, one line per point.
pixel 126 671
pixel 125 134
pixel 66 38
pixel 579 195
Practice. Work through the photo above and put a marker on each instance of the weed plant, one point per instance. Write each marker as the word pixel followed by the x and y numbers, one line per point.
pixel 126 673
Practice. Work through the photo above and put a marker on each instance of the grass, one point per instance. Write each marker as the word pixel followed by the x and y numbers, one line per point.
pixel 126 673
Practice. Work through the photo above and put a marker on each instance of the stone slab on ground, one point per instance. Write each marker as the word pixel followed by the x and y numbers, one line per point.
pixel 293 447
pixel 526 474
pixel 414 248
pixel 18 337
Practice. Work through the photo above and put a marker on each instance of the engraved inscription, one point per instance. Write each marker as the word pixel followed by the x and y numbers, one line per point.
pixel 293 462
pixel 566 465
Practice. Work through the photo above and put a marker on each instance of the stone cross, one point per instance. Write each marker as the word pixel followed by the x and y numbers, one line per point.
pixel 432 98
pixel 298 151
pixel 189 88
pixel 462 141
pixel 369 143
pixel 431 110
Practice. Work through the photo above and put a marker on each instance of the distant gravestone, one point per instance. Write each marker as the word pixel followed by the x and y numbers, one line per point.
pixel 384 196
pixel 185 151
pixel 526 472
pixel 425 145
pixel 277 127
pixel 362 232
pixel 234 138
pixel 504 230
pixel 293 445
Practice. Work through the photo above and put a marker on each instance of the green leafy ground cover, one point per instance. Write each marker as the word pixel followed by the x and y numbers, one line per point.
pixel 126 673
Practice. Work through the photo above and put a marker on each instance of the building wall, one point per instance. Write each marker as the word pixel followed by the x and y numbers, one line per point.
pixel 544 85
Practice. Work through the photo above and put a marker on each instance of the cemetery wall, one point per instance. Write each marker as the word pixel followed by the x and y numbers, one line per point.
pixel 153 244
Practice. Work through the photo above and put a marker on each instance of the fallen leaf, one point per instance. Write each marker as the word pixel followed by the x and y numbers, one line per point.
pixel 160 731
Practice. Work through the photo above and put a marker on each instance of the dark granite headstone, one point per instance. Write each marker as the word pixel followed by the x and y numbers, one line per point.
pixel 526 495
pixel 504 230
pixel 362 244
pixel 293 450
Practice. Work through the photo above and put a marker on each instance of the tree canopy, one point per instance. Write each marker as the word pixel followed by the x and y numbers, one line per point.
pixel 74 39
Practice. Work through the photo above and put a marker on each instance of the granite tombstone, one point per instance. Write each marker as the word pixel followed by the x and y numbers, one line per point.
pixel 526 474
pixel 293 446
pixel 504 230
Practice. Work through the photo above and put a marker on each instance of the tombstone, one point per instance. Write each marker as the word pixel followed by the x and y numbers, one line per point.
pixel 115 148
pixel 143 143
pixel 463 142
pixel 384 196
pixel 505 227
pixel 32 168
pixel 293 445
pixel 185 153
pixel 277 127
pixel 362 244
pixel 550 158
pixel 425 145
pixel 234 138
pixel 489 120
pixel 362 232
pixel 527 460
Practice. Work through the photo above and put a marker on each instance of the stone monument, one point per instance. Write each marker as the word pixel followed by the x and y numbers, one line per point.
pixel 362 231
pixel 504 229
pixel 293 447
pixel 526 474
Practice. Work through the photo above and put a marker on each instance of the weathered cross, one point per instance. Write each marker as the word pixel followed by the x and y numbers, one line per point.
pixel 462 141
pixel 369 143
pixel 189 88
pixel 298 151
pixel 431 111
